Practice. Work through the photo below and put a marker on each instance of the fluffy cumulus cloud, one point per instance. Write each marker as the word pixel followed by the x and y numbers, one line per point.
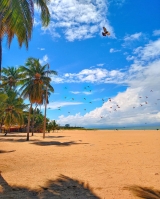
pixel 139 104
pixel 96 75
pixel 77 19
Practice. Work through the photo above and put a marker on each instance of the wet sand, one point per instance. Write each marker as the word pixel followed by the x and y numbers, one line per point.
pixel 79 164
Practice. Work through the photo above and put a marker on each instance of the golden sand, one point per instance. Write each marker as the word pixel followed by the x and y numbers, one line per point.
pixel 79 164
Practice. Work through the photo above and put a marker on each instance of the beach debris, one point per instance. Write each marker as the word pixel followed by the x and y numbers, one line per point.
pixel 106 32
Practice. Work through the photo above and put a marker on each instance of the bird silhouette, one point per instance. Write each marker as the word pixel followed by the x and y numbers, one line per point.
pixel 106 32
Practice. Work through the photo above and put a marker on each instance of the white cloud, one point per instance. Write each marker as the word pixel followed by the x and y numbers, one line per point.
pixel 132 37
pixel 112 50
pixel 59 105
pixel 100 65
pixel 96 75
pixel 78 19
pixel 44 60
pixel 156 32
pixel 41 48
pixel 150 51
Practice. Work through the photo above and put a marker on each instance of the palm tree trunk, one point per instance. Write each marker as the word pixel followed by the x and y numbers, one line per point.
pixel 29 117
pixel 0 57
pixel 33 119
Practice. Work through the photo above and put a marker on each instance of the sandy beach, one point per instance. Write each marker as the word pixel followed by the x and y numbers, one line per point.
pixel 80 164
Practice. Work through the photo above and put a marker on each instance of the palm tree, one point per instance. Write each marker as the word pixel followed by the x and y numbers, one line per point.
pixel 35 80
pixel 13 109
pixel 10 77
pixel 45 100
pixel 17 18
pixel 3 98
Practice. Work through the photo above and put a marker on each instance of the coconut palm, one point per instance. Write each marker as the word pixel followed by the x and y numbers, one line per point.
pixel 10 77
pixel 36 79
pixel 45 100
pixel 13 109
pixel 3 98
pixel 17 18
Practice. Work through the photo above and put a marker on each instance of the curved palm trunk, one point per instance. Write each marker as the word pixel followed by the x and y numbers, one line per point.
pixel 29 117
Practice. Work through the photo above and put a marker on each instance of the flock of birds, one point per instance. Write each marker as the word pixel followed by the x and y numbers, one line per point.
pixel 113 107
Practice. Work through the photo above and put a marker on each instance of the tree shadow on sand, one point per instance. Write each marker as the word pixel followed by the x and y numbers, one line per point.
pixel 56 143
pixel 62 188
pixel 3 151
pixel 144 192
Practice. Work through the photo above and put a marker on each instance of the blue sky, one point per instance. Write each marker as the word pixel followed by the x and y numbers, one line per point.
pixel 101 81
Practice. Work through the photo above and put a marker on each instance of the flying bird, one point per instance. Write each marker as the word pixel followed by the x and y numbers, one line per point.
pixel 106 32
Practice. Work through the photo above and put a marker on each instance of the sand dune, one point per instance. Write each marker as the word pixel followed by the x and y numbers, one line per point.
pixel 80 164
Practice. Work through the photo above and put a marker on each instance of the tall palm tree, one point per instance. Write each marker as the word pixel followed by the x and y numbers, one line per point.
pixel 45 100
pixel 17 18
pixel 34 82
pixel 10 77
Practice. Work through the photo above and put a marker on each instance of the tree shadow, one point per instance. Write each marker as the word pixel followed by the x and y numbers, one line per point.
pixel 15 140
pixel 63 187
pixel 2 151
pixel 144 192
pixel 56 143
pixel 56 136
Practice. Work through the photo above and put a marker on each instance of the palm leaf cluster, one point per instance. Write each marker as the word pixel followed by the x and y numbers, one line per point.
pixel 12 108
pixel 17 19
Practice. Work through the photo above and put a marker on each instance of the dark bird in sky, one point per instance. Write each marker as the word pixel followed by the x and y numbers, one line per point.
pixel 72 98
pixel 84 98
pixel 105 32
pixel 146 102
pixel 90 102
pixel 151 91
